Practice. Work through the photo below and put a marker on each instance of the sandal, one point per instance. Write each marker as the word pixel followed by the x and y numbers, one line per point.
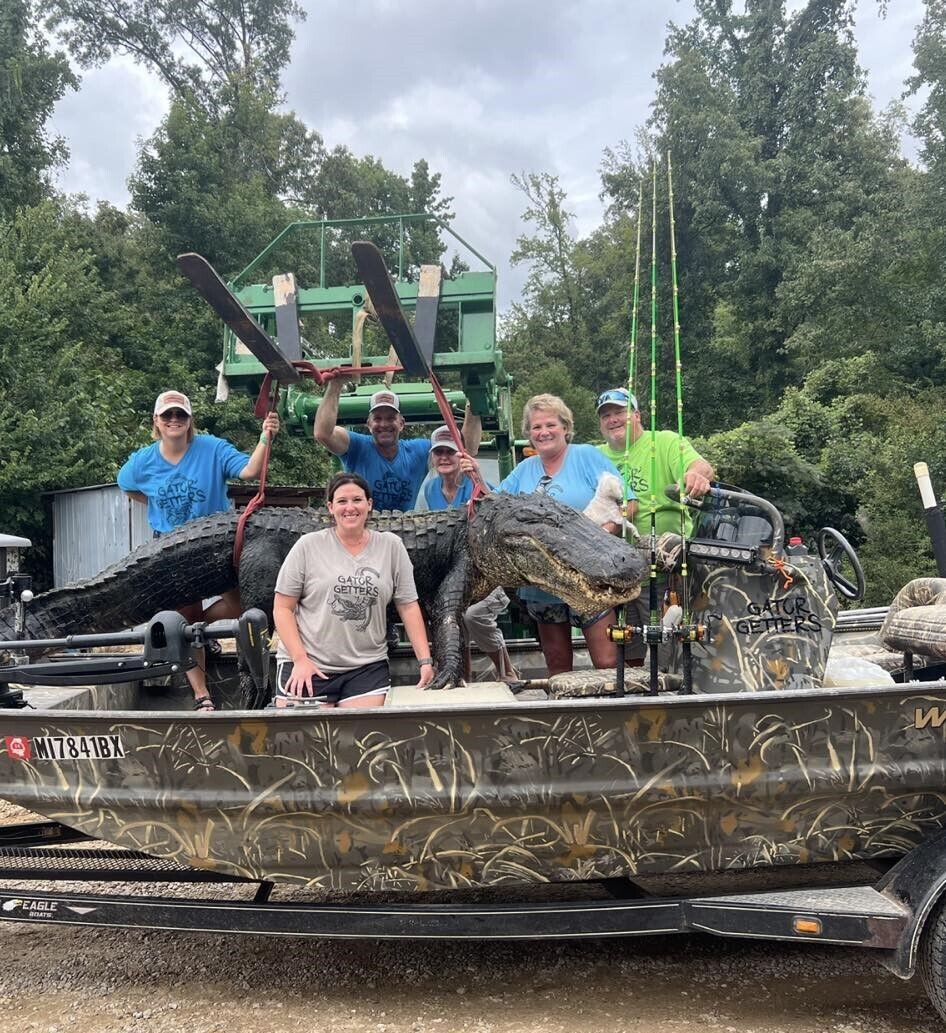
pixel 204 704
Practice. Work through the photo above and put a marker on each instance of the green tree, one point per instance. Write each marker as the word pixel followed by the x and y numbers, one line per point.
pixel 208 54
pixel 32 79
pixel 67 405
pixel 779 164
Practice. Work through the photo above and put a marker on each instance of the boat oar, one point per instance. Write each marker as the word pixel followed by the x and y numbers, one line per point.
pixel 230 309
pixel 416 355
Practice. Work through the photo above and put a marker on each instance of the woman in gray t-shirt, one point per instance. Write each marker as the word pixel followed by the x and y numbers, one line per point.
pixel 332 595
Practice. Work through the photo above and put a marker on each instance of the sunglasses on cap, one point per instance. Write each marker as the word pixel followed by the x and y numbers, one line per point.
pixel 173 414
pixel 616 396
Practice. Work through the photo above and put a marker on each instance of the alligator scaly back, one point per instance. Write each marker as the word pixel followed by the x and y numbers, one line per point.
pixel 192 562
pixel 196 560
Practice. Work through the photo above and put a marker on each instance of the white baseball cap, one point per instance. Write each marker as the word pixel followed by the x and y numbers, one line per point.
pixel 384 399
pixel 442 438
pixel 172 400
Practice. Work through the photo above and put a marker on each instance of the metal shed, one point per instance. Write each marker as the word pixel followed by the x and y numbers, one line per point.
pixel 96 526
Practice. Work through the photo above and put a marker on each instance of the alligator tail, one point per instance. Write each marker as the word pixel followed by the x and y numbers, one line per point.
pixel 185 565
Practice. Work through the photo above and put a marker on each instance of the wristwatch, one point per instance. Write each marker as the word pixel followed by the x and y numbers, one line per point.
pixel 425 662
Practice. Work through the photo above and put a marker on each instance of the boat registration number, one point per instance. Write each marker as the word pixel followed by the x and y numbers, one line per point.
pixel 68 747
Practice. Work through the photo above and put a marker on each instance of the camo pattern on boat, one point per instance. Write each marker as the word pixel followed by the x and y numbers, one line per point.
pixel 413 800
pixel 765 629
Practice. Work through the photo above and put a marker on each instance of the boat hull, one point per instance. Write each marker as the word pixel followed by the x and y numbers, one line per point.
pixel 439 797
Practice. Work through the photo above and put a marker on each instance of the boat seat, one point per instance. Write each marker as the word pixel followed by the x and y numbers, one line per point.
pixel 579 684
pixel 916 620
pixel 885 658
pixel 476 692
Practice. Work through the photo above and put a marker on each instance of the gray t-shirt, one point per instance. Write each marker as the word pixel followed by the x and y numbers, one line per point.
pixel 343 599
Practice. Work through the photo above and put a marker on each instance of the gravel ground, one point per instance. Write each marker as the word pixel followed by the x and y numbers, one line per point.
pixel 60 978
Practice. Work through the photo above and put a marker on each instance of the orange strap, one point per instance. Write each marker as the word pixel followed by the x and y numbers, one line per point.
pixel 782 568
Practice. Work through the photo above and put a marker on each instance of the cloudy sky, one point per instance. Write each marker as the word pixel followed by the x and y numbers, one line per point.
pixel 480 89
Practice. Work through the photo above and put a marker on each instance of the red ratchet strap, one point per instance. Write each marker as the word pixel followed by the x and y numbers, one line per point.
pixel 268 399
pixel 448 418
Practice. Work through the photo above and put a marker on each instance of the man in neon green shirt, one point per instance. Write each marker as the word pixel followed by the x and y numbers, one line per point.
pixel 617 409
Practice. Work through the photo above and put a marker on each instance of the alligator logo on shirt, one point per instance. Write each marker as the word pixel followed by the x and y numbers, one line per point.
pixel 355 595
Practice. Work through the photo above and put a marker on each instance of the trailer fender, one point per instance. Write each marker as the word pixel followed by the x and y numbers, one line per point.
pixel 918 882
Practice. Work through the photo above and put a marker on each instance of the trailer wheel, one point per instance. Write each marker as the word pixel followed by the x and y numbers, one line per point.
pixel 932 958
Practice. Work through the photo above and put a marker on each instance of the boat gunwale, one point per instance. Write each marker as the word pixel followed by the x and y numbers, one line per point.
pixel 672 700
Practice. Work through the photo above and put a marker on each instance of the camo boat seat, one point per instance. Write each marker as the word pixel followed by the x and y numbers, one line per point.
pixel 916 620
pixel 580 684
pixel 885 658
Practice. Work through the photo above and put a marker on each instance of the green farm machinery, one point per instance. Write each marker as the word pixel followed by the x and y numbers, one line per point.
pixel 326 322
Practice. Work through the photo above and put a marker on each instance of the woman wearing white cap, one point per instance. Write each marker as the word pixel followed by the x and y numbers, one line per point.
pixel 450 488
pixel 182 476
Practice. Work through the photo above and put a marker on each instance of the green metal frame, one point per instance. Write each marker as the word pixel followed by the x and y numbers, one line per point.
pixel 472 357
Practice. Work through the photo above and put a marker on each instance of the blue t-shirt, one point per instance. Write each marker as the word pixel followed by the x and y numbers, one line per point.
pixel 194 487
pixel 574 485
pixel 435 499
pixel 394 482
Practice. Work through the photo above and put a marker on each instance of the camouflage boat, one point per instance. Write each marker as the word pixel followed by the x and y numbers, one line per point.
pixel 763 763
pixel 770 757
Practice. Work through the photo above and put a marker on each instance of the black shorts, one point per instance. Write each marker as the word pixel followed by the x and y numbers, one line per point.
pixel 370 680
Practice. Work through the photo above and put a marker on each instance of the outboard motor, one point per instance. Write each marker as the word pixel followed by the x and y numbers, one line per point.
pixel 768 614
pixel 15 589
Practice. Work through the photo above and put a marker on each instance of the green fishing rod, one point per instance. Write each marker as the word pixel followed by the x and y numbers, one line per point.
pixel 654 623
pixel 624 612
pixel 678 364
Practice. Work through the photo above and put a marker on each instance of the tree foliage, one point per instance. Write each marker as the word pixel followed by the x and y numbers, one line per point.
pixel 208 54
pixel 32 80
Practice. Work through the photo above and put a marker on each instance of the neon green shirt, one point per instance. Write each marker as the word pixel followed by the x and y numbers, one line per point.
pixel 635 468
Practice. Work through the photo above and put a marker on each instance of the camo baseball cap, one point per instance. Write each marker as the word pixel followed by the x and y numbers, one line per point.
pixel 381 399
pixel 172 400
pixel 616 396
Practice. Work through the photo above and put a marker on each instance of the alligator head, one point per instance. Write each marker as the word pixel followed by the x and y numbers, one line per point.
pixel 534 540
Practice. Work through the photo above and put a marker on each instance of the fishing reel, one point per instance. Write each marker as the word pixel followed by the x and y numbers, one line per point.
pixel 657 634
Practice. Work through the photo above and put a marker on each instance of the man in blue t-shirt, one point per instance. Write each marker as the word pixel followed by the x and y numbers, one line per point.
pixel 394 469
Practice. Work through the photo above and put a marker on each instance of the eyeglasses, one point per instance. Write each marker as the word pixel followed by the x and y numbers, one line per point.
pixel 542 488
pixel 174 414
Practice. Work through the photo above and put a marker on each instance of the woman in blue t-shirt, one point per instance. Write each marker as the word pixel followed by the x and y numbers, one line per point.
pixel 182 476
pixel 568 473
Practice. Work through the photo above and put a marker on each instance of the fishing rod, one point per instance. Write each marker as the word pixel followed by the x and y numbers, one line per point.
pixel 652 638
pixel 678 364
pixel 625 612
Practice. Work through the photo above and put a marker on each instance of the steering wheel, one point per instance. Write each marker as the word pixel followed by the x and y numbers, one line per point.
pixel 833 548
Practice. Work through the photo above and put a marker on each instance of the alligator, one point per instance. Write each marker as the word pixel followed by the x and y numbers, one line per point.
pixel 459 556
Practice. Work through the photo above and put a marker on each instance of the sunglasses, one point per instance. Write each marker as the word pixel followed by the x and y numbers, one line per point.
pixel 542 488
pixel 444 451
pixel 174 414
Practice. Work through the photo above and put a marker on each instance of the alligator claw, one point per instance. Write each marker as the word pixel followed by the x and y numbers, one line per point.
pixel 444 680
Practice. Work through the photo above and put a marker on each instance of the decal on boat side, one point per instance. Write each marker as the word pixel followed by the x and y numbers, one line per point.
pixel 935 717
pixel 31 908
pixel 18 747
pixel 65 747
